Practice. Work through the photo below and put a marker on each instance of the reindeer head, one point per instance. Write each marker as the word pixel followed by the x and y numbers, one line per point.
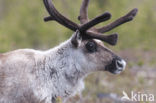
pixel 88 39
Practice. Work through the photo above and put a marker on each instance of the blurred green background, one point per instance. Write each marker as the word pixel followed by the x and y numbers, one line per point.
pixel 22 26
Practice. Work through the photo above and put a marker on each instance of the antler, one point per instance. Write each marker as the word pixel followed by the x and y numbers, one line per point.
pixel 95 21
pixel 55 15
pixel 86 25
pixel 84 12
pixel 128 17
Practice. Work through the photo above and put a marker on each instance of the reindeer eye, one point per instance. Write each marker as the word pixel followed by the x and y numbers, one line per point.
pixel 91 46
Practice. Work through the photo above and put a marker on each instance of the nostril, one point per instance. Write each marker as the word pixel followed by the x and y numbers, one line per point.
pixel 119 64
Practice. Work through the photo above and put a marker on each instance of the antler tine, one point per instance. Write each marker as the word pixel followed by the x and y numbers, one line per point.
pixel 84 12
pixel 95 21
pixel 55 15
pixel 110 39
pixel 49 18
pixel 128 17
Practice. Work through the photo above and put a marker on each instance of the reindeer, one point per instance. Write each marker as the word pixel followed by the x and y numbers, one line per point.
pixel 32 76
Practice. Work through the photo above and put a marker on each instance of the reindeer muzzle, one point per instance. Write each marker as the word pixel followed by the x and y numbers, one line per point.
pixel 116 66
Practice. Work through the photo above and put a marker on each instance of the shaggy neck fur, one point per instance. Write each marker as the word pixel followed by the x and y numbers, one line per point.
pixel 63 73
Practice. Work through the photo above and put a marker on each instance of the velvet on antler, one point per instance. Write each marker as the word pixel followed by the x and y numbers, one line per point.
pixel 87 27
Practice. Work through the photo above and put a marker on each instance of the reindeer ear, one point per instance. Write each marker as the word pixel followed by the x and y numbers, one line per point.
pixel 76 39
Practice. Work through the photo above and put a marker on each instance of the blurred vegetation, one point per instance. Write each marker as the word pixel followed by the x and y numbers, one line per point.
pixel 22 25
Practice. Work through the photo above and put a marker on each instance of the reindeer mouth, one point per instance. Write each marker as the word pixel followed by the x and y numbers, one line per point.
pixel 117 66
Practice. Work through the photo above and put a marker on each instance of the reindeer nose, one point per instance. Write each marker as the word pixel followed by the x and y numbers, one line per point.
pixel 120 64
pixel 117 65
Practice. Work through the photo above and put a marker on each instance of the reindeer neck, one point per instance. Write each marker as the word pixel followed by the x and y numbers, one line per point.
pixel 64 74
